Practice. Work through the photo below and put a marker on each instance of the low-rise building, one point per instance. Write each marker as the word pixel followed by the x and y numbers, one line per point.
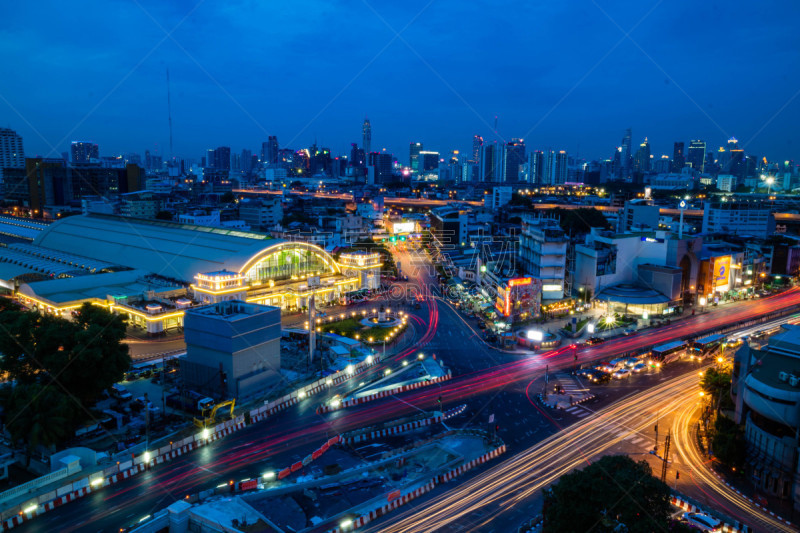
pixel 766 393
pixel 543 254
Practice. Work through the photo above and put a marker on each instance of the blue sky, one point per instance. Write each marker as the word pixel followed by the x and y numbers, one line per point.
pixel 566 75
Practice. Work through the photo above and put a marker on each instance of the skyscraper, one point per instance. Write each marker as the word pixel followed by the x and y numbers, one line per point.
pixel 413 156
pixel 269 151
pixel 382 166
pixel 492 163
pixel 696 155
pixel 366 133
pixel 642 161
pixel 536 167
pixel 477 144
pixel 83 151
pixel 678 157
pixel 514 157
pixel 626 155
pixel 12 154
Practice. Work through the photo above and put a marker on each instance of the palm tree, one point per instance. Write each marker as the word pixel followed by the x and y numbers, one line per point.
pixel 716 383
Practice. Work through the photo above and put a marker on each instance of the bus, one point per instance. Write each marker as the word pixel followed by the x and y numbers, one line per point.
pixel 671 351
pixel 708 347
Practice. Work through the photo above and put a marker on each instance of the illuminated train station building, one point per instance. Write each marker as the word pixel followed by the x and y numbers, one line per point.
pixel 152 271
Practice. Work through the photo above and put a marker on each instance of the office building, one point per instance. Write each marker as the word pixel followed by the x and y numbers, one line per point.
pixel 738 218
pixel 221 158
pixel 366 136
pixel 84 152
pixel 534 171
pixel 428 165
pixel 413 157
pixel 678 158
pixel 12 154
pixel 514 158
pixel 261 214
pixel 48 184
pixel 696 155
pixel 543 254
pixel 269 151
pixel 765 389
pixel 499 197
pixel 380 164
pixel 639 215
pixel 232 347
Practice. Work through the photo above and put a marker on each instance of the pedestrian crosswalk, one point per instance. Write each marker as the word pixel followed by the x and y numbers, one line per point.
pixel 578 411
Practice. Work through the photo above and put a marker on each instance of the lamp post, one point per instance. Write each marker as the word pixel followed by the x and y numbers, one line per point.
pixel 702 303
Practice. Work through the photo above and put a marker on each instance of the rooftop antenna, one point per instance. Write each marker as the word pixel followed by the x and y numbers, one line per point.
pixel 169 115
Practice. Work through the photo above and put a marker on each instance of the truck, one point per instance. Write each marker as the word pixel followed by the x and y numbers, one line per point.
pixel 190 401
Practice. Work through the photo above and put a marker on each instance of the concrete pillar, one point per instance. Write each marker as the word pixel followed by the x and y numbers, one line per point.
pixel 179 516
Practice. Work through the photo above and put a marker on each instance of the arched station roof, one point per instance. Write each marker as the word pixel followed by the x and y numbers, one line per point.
pixel 166 248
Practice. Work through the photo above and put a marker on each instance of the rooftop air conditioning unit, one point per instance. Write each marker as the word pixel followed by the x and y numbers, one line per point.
pixel 794 380
pixel 783 376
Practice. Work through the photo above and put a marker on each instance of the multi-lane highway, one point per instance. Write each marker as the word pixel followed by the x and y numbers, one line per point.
pixel 488 380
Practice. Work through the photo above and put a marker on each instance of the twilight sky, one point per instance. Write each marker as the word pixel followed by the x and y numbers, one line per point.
pixel 566 75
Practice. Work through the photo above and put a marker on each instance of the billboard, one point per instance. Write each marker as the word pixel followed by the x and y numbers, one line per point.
pixel 403 227
pixel 722 271
pixel 519 298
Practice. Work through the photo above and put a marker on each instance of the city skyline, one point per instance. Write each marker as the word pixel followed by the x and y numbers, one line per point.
pixel 277 75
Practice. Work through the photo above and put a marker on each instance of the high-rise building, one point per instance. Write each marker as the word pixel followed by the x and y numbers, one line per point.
pixel 358 158
pixel 555 167
pixel 641 162
pixel 48 183
pixel 413 156
pixel 222 158
pixel 626 154
pixel 269 151
pixel 678 157
pixel 83 152
pixel 696 155
pixel 514 157
pixel 477 144
pixel 366 135
pixel 428 164
pixel 246 161
pixel 492 163
pixel 12 154
pixel 381 164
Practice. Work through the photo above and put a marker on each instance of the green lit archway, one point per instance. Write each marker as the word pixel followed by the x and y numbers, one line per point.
pixel 288 260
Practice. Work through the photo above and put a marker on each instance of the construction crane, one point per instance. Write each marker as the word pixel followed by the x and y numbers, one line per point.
pixel 210 414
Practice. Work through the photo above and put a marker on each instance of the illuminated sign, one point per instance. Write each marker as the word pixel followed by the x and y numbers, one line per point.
pixel 651 239
pixel 722 270
pixel 519 281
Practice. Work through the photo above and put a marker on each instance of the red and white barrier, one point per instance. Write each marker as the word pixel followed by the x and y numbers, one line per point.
pixel 382 394
pixel 395 430
pixel 447 476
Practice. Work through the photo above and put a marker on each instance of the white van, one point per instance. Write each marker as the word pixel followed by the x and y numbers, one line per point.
pixel 120 392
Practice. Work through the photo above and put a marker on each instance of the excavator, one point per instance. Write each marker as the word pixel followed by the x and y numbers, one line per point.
pixel 210 414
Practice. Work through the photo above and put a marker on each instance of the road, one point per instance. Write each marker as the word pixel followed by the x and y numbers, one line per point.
pixel 488 380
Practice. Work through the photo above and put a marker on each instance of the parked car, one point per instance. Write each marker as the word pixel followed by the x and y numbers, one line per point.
pixel 120 392
pixel 703 521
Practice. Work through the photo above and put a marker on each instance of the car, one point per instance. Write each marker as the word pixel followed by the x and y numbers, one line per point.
pixel 598 376
pixel 120 392
pixel 631 362
pixel 585 372
pixel 629 331
pixel 595 340
pixel 622 373
pixel 641 367
pixel 618 362
pixel 604 367
pixel 703 521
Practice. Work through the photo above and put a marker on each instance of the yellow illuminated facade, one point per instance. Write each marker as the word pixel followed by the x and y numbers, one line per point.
pixel 284 275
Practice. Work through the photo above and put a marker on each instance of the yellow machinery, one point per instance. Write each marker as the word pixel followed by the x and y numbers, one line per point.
pixel 210 414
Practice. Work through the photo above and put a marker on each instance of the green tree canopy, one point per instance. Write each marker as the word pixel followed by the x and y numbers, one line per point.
pixel 581 220
pixel 614 490
pixel 37 415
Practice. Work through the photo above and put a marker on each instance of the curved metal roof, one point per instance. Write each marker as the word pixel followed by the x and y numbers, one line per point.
pixel 631 294
pixel 166 248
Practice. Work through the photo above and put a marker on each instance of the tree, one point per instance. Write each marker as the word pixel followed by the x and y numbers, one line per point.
pixel 580 220
pixel 614 490
pixel 227 197
pixel 97 357
pixel 716 384
pixel 37 415
pixel 728 443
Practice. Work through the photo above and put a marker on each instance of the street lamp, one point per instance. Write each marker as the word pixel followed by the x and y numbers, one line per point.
pixel 702 303
pixel 770 180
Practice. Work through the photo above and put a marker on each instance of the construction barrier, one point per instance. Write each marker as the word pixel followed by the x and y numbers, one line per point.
pixel 382 394
pixel 469 465
pixel 395 498
pixel 395 430
pixel 687 506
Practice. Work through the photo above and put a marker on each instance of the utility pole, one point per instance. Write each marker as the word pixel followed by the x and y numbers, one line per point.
pixel 655 448
pixel 665 459
pixel 546 381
